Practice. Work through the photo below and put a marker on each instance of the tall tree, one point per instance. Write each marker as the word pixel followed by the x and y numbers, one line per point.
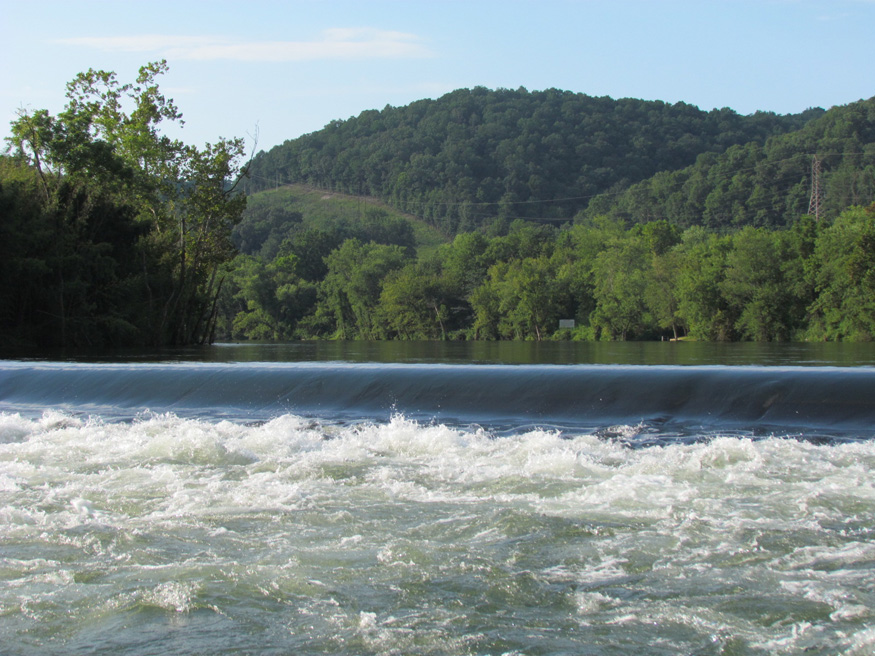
pixel 700 301
pixel 102 161
pixel 621 274
pixel 415 302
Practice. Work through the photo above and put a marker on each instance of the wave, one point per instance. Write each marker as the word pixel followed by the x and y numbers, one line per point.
pixel 838 401
pixel 190 535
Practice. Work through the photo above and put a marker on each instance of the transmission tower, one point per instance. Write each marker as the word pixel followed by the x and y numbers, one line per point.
pixel 816 190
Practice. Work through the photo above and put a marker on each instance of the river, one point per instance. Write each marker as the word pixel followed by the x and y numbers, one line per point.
pixel 370 498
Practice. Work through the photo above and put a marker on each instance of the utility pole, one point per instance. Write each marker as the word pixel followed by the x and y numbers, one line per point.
pixel 816 190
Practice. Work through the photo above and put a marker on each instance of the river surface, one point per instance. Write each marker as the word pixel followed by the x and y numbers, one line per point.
pixel 517 499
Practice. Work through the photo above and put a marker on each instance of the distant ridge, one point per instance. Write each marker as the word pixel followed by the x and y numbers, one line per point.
pixel 476 156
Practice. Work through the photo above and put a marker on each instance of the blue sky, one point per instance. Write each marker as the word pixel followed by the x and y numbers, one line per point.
pixel 287 68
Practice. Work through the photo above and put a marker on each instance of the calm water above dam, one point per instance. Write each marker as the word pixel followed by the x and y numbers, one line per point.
pixel 619 353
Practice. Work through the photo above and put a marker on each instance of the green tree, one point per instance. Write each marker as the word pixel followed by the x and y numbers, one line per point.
pixel 844 275
pixel 104 156
pixel 530 298
pixel 465 262
pixel 756 285
pixel 621 272
pixel 415 301
pixel 254 301
pixel 70 268
pixel 661 295
pixel 350 292
pixel 701 303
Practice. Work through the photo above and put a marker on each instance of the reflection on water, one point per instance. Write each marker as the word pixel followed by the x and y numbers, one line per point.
pixel 622 353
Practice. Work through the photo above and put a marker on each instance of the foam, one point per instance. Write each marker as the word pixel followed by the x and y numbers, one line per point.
pixel 421 533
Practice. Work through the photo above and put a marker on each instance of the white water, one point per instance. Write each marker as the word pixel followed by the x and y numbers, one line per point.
pixel 168 535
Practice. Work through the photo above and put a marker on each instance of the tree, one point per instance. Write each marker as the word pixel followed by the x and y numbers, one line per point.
pixel 172 205
pixel 268 300
pixel 756 285
pixel 520 299
pixel 350 292
pixel 621 274
pixel 661 295
pixel 844 275
pixel 464 262
pixel 701 303
pixel 70 273
pixel 205 211
pixel 414 302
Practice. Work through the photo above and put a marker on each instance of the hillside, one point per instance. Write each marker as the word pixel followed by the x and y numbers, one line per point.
pixel 685 223
pixel 475 156
pixel 762 184
pixel 275 215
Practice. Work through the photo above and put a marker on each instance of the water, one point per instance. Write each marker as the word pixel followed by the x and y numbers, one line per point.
pixel 192 505
pixel 612 353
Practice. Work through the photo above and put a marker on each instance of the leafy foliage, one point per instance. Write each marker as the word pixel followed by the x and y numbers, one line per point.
pixel 764 184
pixel 650 281
pixel 635 220
pixel 475 156
pixel 116 233
pixel 843 270
pixel 273 216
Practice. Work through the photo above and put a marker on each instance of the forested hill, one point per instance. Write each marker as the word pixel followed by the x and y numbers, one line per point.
pixel 475 155
pixel 762 184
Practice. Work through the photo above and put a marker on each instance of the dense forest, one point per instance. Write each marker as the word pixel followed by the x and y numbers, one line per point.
pixel 479 215
pixel 761 184
pixel 810 281
pixel 476 156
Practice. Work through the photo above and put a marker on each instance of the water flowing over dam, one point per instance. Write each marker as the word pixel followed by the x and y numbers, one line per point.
pixel 835 399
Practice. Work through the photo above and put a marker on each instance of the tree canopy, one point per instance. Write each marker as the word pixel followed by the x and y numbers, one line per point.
pixel 811 281
pixel 113 232
pixel 761 183
pixel 475 156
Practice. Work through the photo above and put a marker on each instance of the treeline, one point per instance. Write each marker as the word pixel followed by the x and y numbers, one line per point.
pixel 812 281
pixel 719 248
pixel 475 156
pixel 110 232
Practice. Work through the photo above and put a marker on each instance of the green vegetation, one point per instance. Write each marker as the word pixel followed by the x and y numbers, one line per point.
pixel 813 281
pixel 474 157
pixel 111 233
pixel 761 184
pixel 274 215
pixel 481 215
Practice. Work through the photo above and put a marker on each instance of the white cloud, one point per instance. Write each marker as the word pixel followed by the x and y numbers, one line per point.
pixel 339 43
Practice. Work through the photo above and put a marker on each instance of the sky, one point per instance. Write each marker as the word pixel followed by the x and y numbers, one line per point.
pixel 269 71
